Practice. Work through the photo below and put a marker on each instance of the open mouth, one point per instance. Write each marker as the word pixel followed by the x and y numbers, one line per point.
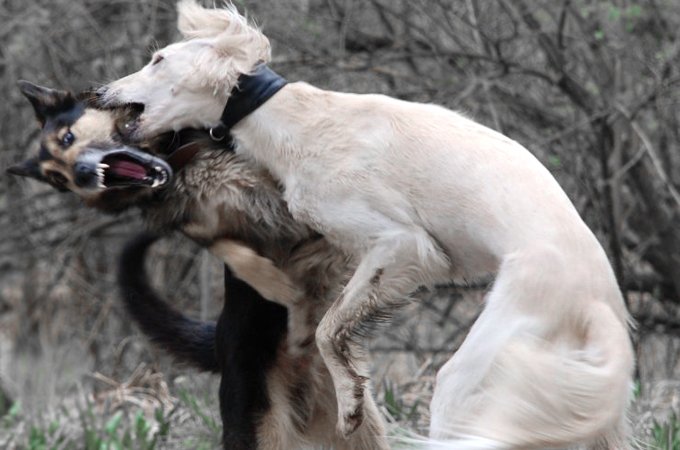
pixel 132 168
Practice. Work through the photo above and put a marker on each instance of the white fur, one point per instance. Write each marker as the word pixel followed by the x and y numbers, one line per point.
pixel 418 194
pixel 474 443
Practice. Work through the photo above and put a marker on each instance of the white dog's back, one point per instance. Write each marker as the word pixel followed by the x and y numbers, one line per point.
pixel 418 165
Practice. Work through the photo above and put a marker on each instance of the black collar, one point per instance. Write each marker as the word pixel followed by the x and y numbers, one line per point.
pixel 250 92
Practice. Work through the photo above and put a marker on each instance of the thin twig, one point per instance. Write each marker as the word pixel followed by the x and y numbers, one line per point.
pixel 653 155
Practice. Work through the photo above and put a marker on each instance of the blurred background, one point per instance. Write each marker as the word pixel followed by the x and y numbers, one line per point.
pixel 592 87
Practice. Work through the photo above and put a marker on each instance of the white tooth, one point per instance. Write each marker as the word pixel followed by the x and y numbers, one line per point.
pixel 103 166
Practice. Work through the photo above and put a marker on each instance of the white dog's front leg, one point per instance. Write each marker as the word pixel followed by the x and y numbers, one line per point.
pixel 393 268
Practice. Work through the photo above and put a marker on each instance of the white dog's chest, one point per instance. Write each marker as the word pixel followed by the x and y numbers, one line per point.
pixel 307 204
pixel 342 213
pixel 299 199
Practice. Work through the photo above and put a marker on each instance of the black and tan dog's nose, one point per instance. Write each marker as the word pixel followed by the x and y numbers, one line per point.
pixel 85 174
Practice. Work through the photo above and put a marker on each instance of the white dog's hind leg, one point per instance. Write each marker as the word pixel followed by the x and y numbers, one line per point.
pixel 549 361
pixel 395 266
pixel 459 381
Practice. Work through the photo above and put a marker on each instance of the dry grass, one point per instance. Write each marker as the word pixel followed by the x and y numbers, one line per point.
pixel 157 405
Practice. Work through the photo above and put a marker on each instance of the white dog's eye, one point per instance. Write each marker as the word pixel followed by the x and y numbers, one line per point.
pixel 156 59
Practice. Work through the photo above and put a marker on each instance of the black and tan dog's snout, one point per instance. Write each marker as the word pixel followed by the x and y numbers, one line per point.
pixel 85 174
pixel 88 170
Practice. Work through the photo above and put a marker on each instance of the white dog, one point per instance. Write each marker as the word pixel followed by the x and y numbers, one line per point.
pixel 417 195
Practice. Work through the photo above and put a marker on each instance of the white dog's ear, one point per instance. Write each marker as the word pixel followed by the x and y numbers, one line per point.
pixel 195 21
pixel 237 47
pixel 243 43
pixel 233 34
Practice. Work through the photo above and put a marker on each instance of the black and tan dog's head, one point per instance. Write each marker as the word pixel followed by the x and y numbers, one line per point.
pixel 82 150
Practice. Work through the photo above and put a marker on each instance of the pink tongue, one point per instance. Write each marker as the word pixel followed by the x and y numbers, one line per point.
pixel 128 169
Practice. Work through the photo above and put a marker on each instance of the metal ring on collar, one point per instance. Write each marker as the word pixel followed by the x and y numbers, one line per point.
pixel 216 138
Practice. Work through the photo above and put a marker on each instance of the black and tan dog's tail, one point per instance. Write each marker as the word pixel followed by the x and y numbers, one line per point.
pixel 190 341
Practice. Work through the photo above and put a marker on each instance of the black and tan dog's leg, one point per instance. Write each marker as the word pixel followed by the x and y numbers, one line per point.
pixel 272 284
pixel 243 346
pixel 258 271
pixel 248 336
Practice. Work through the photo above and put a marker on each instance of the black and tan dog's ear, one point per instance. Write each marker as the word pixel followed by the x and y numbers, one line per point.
pixel 29 168
pixel 46 102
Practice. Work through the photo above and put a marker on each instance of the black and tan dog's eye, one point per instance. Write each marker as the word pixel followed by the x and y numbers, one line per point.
pixel 67 139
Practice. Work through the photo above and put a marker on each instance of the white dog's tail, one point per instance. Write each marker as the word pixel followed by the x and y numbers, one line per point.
pixel 423 443
pixel 537 398
pixel 525 391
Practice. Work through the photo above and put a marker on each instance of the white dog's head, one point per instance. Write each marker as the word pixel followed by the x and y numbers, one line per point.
pixel 187 84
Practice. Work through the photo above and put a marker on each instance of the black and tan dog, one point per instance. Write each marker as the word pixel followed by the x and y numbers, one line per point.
pixel 275 391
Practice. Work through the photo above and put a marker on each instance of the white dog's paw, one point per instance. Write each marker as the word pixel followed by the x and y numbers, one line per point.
pixel 348 423
pixel 351 408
